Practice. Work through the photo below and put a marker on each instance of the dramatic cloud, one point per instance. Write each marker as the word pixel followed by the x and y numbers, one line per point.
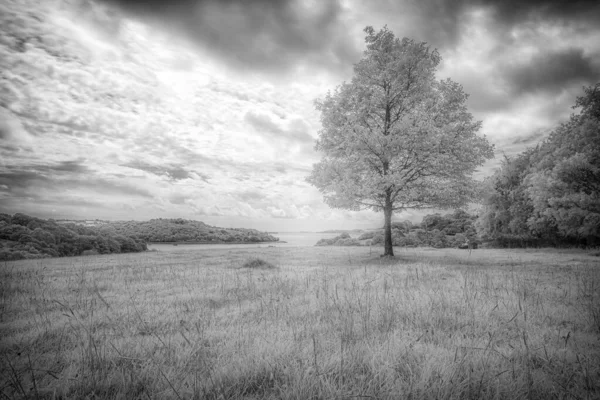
pixel 553 71
pixel 204 109
pixel 173 172
pixel 262 34
pixel 442 23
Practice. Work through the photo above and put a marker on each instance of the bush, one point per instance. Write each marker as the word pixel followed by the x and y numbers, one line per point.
pixel 7 255
pixel 347 242
pixel 258 263
pixel 366 235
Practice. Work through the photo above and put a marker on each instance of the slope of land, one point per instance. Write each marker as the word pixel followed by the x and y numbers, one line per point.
pixel 22 236
pixel 183 230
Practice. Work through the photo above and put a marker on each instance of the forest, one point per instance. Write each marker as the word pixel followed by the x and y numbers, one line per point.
pixel 183 230
pixel 549 195
pixel 23 236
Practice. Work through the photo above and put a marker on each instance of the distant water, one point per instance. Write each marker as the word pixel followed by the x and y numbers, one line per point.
pixel 291 239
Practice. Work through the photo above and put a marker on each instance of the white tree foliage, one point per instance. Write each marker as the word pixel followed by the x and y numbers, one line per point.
pixel 395 137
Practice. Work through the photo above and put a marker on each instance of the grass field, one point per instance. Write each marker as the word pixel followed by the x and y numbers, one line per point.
pixel 318 323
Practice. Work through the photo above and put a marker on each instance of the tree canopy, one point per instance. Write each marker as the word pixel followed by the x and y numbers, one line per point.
pixel 395 137
pixel 550 194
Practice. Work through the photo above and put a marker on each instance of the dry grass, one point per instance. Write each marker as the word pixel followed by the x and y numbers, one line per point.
pixel 328 323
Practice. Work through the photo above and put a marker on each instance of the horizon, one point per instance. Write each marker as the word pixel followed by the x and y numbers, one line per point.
pixel 204 111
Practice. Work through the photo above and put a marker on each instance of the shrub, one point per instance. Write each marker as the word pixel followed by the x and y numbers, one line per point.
pixel 366 235
pixel 258 263
pixel 347 242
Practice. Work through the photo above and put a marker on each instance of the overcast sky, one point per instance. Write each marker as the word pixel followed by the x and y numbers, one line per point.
pixel 204 109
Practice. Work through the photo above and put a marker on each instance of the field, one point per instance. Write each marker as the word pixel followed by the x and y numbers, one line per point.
pixel 320 323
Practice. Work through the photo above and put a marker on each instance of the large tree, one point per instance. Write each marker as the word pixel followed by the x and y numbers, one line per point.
pixel 395 137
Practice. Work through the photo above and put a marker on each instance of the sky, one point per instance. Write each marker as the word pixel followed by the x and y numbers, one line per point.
pixel 204 109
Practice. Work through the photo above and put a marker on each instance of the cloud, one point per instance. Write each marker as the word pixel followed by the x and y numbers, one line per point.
pixel 251 195
pixel 173 172
pixel 517 11
pixel 25 175
pixel 11 129
pixel 178 199
pixel 296 129
pixel 552 71
pixel 61 177
pixel 259 34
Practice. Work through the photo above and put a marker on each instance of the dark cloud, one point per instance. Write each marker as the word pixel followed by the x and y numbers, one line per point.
pixel 440 22
pixel 173 172
pixel 73 167
pixel 261 34
pixel 552 71
pixel 58 178
pixel 16 179
pixel 511 12
pixel 23 176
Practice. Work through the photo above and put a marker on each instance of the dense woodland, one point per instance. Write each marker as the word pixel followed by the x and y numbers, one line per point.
pixel 550 195
pixel 182 230
pixel 22 236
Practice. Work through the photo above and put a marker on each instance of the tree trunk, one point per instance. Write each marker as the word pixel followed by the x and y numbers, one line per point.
pixel 387 211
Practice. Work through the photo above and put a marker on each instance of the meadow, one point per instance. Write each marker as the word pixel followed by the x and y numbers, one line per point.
pixel 311 323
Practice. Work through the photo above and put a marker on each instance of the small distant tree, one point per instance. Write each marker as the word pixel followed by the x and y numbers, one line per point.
pixel 395 137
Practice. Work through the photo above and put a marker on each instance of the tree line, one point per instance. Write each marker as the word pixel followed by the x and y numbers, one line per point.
pixel 23 236
pixel 182 230
pixel 549 195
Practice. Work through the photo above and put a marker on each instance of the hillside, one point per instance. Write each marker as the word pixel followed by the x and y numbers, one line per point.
pixel 182 230
pixel 22 236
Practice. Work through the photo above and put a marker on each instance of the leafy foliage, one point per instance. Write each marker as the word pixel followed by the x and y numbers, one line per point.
pixel 436 230
pixel 22 236
pixel 550 194
pixel 258 263
pixel 395 137
pixel 182 230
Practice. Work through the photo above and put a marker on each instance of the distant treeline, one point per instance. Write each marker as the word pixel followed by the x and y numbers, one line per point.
pixel 22 236
pixel 550 195
pixel 182 230
pixel 435 230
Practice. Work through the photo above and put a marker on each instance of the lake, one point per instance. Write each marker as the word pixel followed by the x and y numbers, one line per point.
pixel 291 239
